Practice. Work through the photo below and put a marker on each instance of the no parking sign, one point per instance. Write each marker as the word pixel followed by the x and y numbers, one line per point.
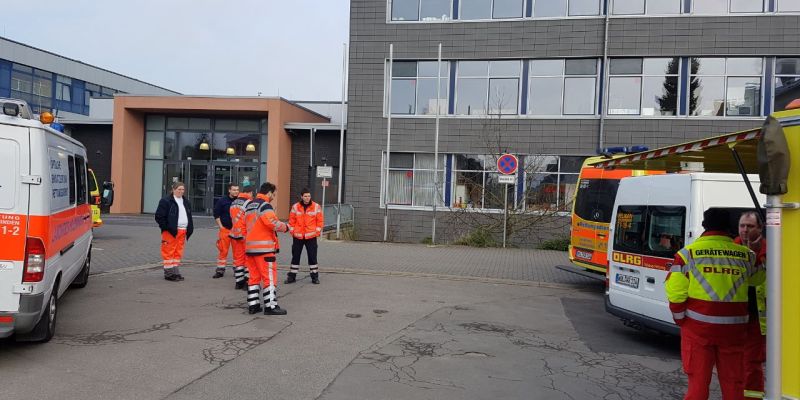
pixel 507 164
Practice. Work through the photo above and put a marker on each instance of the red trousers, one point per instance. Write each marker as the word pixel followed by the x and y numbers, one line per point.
pixel 700 354
pixel 263 270
pixel 172 248
pixel 239 255
pixel 223 244
pixel 755 354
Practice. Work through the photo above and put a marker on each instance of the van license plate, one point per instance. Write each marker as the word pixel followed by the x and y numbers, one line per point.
pixel 627 280
pixel 586 255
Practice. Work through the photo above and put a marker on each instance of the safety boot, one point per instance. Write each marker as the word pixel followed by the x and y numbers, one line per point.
pixel 254 309
pixel 277 310
pixel 315 278
pixel 219 273
pixel 291 277
pixel 170 275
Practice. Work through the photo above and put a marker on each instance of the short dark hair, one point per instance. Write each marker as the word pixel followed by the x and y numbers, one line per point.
pixel 756 215
pixel 716 219
pixel 266 187
pixel 230 185
pixel 304 191
pixel 247 189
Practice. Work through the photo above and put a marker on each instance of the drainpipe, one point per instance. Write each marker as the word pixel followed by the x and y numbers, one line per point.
pixel 604 98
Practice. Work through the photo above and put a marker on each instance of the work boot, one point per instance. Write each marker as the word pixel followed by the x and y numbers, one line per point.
pixel 291 277
pixel 170 275
pixel 219 273
pixel 241 285
pixel 254 309
pixel 277 310
pixel 178 273
pixel 315 278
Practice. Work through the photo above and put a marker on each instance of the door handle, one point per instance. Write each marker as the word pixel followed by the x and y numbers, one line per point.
pixel 651 280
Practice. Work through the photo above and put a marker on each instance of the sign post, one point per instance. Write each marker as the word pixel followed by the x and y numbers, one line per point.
pixel 325 172
pixel 507 165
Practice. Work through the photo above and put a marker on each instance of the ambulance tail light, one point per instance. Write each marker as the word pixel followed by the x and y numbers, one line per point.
pixel 96 200
pixel 34 260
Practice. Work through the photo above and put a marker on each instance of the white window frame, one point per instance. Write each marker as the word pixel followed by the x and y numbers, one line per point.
pixel 559 173
pixel 725 77
pixel 564 78
pixel 488 78
pixel 442 170
pixel 776 76
pixel 646 9
pixel 764 7
pixel 643 75
pixel 491 13
pixel 390 16
pixel 487 169
pixel 444 100
pixel 778 8
pixel 567 14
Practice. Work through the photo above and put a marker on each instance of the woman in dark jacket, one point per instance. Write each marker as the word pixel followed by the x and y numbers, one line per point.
pixel 174 217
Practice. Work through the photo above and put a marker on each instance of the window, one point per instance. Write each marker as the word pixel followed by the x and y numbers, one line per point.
pixel 475 183
pixel 71 167
pixel 414 88
pixel 80 172
pixel 412 179
pixel 91 90
pixel 595 199
pixel 63 88
pixel 487 87
pixel 640 86
pixel 507 8
pixel 486 9
pixel 712 7
pixel 561 8
pixel 572 82
pixel 787 81
pixel 788 6
pixel 725 87
pixel 421 10
pixel 550 182
pixel 650 230
pixel 647 7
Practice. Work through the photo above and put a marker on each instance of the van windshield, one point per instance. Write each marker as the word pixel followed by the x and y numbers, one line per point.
pixel 92 182
pixel 595 199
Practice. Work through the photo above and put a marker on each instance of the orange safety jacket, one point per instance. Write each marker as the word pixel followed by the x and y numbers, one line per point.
pixel 237 215
pixel 306 222
pixel 261 224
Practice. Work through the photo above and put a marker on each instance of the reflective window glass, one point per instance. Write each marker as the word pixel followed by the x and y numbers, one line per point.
pixel 743 97
pixel 586 66
pixel 546 67
pixel 660 66
pixel 426 96
pixel 708 66
pixel 476 9
pixel 744 66
pixel 624 95
pixel 584 7
pixel 428 69
pixel 503 96
pixel 579 96
pixel 710 6
pixel 707 96
pixel 549 8
pixel 405 10
pixel 404 69
pixel 504 68
pixel 788 6
pixel 507 8
pixel 787 66
pixel 787 89
pixel 473 68
pixel 664 7
pixel 435 10
pixel 660 96
pixel 747 6
pixel 471 96
pixel 543 92
pixel 628 7
pixel 403 96
pixel 621 66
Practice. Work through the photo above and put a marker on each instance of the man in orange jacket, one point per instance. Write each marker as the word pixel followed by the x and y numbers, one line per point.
pixel 260 246
pixel 236 234
pixel 305 224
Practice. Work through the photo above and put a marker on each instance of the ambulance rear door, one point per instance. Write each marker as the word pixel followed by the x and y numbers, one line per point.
pixel 14 192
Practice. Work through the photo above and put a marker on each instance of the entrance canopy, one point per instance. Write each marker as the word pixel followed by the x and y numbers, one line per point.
pixel 706 155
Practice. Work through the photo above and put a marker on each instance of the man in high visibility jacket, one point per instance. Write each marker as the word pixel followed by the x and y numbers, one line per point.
pixel 305 224
pixel 222 217
pixel 707 292
pixel 755 347
pixel 260 247
pixel 236 234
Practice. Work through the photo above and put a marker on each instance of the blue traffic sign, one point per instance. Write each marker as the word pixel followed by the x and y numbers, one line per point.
pixel 507 164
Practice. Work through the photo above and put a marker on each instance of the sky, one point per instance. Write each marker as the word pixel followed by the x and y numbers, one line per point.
pixel 291 48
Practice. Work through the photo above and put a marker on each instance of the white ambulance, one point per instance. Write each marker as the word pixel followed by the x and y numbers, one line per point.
pixel 45 221
pixel 654 217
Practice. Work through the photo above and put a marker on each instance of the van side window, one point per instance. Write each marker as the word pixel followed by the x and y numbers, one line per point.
pixel 665 229
pixel 80 172
pixel 71 166
pixel 595 199
pixel 629 229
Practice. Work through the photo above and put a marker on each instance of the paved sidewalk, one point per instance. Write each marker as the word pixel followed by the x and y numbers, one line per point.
pixel 127 241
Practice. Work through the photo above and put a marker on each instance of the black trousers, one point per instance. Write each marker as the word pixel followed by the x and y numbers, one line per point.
pixel 311 249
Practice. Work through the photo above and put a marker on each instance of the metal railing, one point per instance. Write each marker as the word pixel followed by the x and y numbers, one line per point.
pixel 332 210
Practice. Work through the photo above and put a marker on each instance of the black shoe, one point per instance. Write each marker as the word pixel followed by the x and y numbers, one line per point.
pixel 218 274
pixel 291 277
pixel 241 285
pixel 315 279
pixel 253 309
pixel 179 277
pixel 173 278
pixel 274 311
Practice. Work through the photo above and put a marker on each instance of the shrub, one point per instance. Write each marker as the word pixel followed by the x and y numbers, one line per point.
pixel 560 244
pixel 478 238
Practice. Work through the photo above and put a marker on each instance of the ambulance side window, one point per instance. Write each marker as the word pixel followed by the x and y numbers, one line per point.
pixel 629 229
pixel 665 229
pixel 80 172
pixel 71 166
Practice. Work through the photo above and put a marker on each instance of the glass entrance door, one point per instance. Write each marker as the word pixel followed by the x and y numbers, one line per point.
pixel 223 175
pixel 198 190
pixel 207 182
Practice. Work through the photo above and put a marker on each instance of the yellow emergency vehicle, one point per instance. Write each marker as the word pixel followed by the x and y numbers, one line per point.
pixel 773 152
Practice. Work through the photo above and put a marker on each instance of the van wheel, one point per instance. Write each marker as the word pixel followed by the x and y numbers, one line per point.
pixel 83 277
pixel 46 327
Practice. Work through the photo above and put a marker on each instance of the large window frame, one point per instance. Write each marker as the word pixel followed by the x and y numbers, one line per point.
pixel 473 172
pixel 646 7
pixel 730 8
pixel 420 11
pixel 412 180
pixel 555 176
pixel 787 77
pixel 621 78
pixel 538 71
pixel 567 7
pixel 493 9
pixel 726 73
pixel 787 6
pixel 488 77
pixel 420 80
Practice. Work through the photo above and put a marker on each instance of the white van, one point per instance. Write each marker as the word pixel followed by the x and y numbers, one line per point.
pixel 654 217
pixel 45 222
